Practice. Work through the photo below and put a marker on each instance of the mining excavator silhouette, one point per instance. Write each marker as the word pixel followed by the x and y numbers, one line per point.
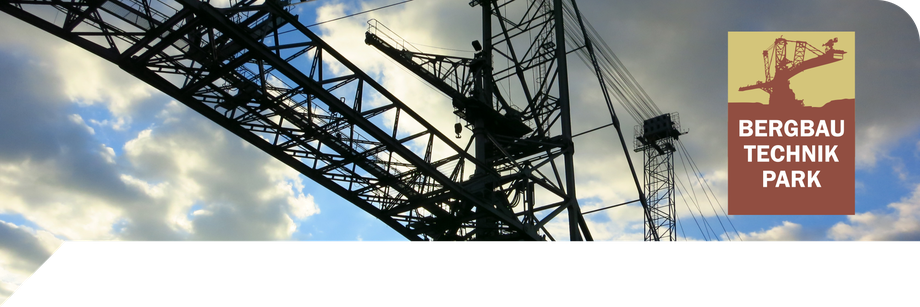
pixel 779 69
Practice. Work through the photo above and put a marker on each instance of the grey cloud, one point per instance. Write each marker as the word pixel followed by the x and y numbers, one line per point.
pixel 59 177
pixel 227 178
pixel 677 51
pixel 36 129
pixel 899 221
pixel 675 48
pixel 23 250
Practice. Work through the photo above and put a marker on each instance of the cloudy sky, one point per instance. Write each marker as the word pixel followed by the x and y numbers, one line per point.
pixel 90 153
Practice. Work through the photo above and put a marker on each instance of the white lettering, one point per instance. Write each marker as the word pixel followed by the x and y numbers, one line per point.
pixel 744 128
pixel 822 128
pixel 767 177
pixel 762 153
pixel 750 150
pixel 798 177
pixel 782 179
pixel 813 178
pixel 773 153
pixel 794 131
pixel 807 128
pixel 808 153
pixel 830 152
pixel 834 132
pixel 775 126
pixel 789 128
pixel 790 153
pixel 759 127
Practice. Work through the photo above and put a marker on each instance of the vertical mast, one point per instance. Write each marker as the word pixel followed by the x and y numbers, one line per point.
pixel 569 150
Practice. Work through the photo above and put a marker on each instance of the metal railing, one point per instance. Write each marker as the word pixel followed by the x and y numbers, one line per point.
pixel 389 36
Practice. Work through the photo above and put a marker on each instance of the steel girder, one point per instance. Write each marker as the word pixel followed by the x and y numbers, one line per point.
pixel 259 73
pixel 513 95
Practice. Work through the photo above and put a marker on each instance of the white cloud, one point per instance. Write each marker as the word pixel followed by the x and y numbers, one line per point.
pixel 302 206
pixel 164 169
pixel 622 225
pixel 108 153
pixel 49 194
pixel 22 251
pixel 244 193
pixel 77 119
pixel 869 146
pixel 788 231
pixel 88 79
pixel 900 169
pixel 117 124
pixel 901 221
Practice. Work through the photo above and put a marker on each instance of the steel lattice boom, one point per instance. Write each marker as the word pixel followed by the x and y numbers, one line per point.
pixel 258 72
pixel 778 69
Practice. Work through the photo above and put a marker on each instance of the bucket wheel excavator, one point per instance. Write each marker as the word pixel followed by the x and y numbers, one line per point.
pixel 778 69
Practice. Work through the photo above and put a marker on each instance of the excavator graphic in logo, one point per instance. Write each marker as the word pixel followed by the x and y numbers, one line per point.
pixel 779 69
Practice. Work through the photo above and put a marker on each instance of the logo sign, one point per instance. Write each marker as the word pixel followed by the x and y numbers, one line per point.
pixel 791 134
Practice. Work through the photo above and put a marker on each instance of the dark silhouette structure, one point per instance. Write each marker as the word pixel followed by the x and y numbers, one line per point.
pixel 656 139
pixel 253 68
pixel 778 69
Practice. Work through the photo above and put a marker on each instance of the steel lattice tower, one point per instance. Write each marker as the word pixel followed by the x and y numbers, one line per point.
pixel 528 140
pixel 655 139
pixel 254 69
